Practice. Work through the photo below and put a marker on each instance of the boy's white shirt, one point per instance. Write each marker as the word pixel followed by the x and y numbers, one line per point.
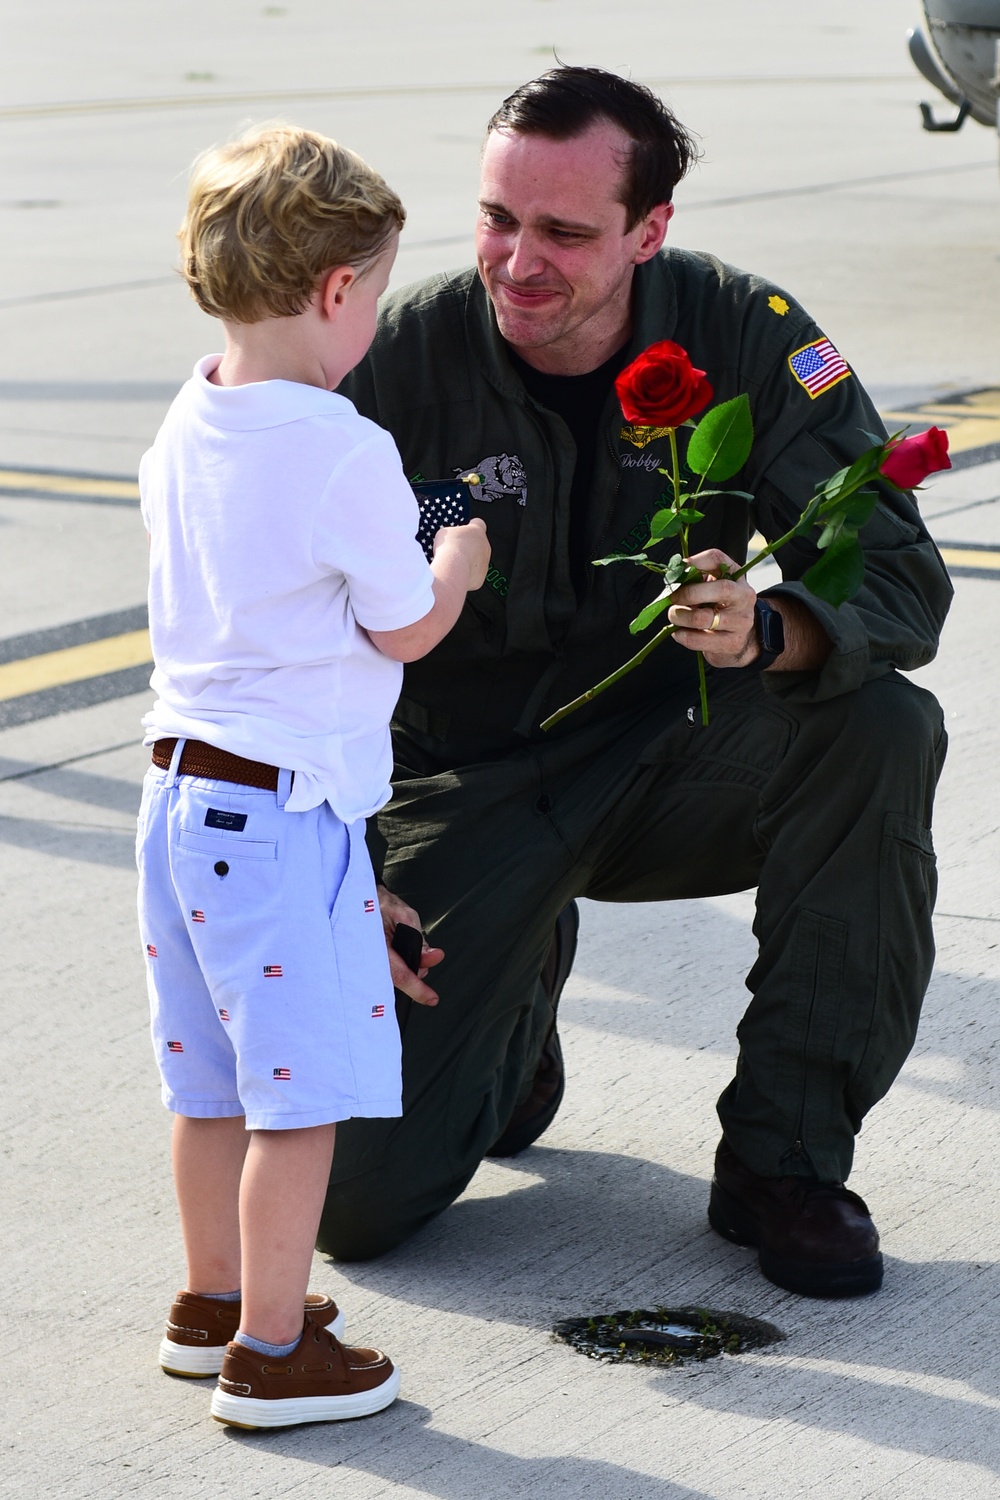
pixel 280 523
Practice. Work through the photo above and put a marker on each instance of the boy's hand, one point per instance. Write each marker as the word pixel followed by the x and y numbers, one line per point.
pixel 469 542
pixel 394 910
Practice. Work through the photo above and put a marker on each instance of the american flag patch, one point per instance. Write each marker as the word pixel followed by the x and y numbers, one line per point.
pixel 273 971
pixel 817 366
pixel 197 916
pixel 175 1046
pixel 369 906
pixel 223 1015
pixel 283 1075
pixel 378 1010
pixel 151 950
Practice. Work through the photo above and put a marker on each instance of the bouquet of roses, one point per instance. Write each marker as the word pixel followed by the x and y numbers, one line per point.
pixel 661 391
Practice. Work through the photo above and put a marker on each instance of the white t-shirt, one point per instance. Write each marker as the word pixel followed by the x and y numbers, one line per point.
pixel 280 523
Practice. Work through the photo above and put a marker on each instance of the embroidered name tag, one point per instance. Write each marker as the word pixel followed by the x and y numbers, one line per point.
pixel 216 817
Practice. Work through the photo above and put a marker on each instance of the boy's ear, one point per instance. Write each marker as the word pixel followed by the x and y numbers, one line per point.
pixel 333 287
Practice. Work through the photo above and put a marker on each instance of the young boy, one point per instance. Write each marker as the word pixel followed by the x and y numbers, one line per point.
pixel 286 587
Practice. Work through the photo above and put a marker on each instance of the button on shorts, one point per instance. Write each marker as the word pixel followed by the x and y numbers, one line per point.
pixel 268 977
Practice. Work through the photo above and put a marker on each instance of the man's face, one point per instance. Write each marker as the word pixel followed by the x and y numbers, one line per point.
pixel 552 246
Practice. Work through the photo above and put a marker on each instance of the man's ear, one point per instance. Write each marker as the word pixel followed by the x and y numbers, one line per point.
pixel 333 288
pixel 653 232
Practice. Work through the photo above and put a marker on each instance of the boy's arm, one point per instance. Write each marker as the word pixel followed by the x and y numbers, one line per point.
pixel 461 558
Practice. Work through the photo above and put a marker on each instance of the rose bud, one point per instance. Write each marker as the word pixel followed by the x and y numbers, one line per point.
pixel 661 387
pixel 909 461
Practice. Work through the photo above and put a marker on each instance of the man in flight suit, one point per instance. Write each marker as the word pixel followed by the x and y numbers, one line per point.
pixel 813 781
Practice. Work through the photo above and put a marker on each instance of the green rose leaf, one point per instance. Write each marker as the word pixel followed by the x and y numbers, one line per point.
pixel 721 442
pixel 648 615
pixel 839 573
pixel 672 522
pixel 678 571
pixel 701 494
pixel 665 523
pixel 855 509
pixel 851 478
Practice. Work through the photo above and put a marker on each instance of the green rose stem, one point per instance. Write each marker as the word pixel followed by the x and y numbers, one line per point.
pixel 675 480
pixel 668 630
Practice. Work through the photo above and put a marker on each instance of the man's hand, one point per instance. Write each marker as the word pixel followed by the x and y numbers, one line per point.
pixel 728 604
pixel 716 616
pixel 394 910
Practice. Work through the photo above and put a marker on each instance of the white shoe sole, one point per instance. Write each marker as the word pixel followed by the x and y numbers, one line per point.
pixel 244 1411
pixel 198 1362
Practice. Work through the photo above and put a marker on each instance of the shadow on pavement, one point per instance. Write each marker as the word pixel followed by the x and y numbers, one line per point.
pixel 593 1231
pixel 401 1448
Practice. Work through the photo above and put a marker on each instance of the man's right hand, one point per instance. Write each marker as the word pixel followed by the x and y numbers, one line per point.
pixel 394 910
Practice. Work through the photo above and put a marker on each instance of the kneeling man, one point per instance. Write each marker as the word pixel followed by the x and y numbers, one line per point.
pixel 813 781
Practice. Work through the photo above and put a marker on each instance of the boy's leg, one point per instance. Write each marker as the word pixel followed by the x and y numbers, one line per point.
pixel 280 1199
pixel 208 1157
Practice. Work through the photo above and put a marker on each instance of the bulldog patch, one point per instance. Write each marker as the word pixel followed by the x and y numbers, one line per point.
pixel 501 477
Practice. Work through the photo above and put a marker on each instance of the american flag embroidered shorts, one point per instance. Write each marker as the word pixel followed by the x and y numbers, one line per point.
pixel 266 964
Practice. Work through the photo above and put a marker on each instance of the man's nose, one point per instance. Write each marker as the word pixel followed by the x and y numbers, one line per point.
pixel 525 258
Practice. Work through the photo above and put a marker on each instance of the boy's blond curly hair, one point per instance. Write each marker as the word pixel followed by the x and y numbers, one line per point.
pixel 270 212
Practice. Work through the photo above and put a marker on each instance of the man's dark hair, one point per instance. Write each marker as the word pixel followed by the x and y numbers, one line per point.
pixel 565 102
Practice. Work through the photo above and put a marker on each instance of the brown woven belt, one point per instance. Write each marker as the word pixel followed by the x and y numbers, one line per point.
pixel 217 765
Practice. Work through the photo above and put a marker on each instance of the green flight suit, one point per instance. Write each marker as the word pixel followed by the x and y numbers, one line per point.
pixel 815 787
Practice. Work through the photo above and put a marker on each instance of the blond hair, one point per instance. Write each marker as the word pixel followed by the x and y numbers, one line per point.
pixel 270 212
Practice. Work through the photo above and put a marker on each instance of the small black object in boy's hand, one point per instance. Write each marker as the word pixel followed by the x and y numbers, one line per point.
pixel 442 503
pixel 408 942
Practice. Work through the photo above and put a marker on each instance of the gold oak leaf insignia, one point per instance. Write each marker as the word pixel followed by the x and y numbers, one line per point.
pixel 777 304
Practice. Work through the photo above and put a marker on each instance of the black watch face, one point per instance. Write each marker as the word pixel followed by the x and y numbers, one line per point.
pixel 770 630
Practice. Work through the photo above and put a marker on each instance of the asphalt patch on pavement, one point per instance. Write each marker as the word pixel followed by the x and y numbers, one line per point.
pixel 665 1335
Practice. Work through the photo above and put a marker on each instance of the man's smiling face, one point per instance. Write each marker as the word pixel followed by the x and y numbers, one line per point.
pixel 552 246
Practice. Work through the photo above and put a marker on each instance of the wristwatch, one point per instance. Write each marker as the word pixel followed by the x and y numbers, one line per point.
pixel 770 636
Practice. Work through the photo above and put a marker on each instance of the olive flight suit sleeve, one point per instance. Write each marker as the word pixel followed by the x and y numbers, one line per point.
pixel 895 619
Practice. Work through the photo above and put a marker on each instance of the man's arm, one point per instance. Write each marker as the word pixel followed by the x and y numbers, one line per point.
pixel 895 619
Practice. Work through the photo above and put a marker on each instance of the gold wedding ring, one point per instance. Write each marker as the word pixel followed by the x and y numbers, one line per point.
pixel 715 622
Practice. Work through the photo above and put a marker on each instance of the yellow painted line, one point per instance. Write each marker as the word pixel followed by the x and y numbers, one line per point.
pixel 74 664
pixel 67 484
pixel 968 557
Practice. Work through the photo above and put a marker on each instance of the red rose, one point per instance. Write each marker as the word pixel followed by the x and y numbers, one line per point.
pixel 662 388
pixel 909 462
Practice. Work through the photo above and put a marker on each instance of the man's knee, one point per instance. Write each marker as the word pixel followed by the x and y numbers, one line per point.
pixel 887 734
pixel 362 1225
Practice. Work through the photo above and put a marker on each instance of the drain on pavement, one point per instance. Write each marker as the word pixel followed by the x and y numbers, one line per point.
pixel 665 1335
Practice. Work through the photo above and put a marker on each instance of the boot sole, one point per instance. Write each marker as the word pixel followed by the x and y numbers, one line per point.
pixel 195 1362
pixel 729 1218
pixel 252 1413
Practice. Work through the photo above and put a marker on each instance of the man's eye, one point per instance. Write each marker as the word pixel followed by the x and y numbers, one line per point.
pixel 495 220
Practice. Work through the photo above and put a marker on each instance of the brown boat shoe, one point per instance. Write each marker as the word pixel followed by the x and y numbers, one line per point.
pixel 322 1380
pixel 199 1328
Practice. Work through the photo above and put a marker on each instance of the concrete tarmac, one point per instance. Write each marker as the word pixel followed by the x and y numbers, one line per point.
pixel 816 173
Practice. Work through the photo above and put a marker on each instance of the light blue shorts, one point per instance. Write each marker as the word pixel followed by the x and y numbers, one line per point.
pixel 268 976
